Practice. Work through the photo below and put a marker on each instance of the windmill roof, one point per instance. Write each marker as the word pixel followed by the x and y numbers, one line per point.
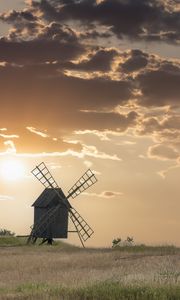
pixel 47 197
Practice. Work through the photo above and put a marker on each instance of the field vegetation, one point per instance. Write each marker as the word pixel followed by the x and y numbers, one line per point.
pixel 67 272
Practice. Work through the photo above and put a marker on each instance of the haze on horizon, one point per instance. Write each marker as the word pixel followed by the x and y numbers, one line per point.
pixel 93 84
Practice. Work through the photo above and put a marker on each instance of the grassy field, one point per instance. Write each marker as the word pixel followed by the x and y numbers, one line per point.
pixel 66 272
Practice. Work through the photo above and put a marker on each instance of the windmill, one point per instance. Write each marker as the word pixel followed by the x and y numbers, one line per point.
pixel 46 222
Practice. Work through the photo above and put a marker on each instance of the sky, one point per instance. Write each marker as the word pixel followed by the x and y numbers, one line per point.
pixel 93 84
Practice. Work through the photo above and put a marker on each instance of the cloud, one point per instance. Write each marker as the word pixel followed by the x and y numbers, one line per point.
pixel 98 122
pixel 150 20
pixel 102 135
pixel 10 146
pixel 147 20
pixel 126 143
pixel 65 97
pixel 18 16
pixel 9 136
pixel 104 194
pixel 35 141
pixel 53 166
pixel 36 131
pixel 94 34
pixel 164 173
pixel 99 106
pixel 161 86
pixel 78 85
pixel 163 152
pixel 136 61
pixel 163 127
pixel 26 52
pixel 3 129
pixel 86 94
pixel 91 151
pixel 14 16
pixel 87 151
pixel 106 135
pixel 98 61
pixel 6 198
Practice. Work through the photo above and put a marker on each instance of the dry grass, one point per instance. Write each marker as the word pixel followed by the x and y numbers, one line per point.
pixel 60 265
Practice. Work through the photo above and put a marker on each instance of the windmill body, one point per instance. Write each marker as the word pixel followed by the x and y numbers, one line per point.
pixel 58 227
pixel 52 208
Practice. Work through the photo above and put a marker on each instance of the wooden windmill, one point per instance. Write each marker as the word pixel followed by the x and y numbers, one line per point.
pixel 52 208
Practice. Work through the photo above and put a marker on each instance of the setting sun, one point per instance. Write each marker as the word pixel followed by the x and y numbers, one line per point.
pixel 12 170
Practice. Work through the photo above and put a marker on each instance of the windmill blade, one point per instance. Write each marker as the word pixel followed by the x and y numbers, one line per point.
pixel 83 229
pixel 84 182
pixel 42 173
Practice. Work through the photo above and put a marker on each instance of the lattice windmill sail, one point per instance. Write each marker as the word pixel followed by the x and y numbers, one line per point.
pixel 52 208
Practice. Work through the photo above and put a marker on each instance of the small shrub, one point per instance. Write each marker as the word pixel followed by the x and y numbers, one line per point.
pixel 5 232
pixel 116 242
pixel 119 242
pixel 129 241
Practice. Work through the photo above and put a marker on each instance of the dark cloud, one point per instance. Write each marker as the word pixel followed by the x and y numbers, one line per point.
pixel 25 24
pixel 47 69
pixel 90 93
pixel 18 16
pixel 136 19
pixel 56 31
pixel 41 94
pixel 99 61
pixel 161 86
pixel 38 50
pixel 32 87
pixel 94 34
pixel 101 121
pixel 33 41
pixel 136 61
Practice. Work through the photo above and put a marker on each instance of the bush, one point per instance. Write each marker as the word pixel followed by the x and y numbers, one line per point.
pixel 116 242
pixel 119 242
pixel 5 232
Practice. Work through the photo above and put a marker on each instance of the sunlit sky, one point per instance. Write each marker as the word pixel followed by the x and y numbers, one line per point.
pixel 88 84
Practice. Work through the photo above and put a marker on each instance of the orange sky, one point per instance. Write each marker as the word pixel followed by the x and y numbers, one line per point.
pixel 97 85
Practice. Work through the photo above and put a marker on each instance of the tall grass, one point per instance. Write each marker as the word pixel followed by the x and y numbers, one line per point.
pixel 67 272
pixel 11 241
pixel 99 291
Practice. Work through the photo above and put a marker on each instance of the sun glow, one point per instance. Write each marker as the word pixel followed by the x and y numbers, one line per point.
pixel 12 170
